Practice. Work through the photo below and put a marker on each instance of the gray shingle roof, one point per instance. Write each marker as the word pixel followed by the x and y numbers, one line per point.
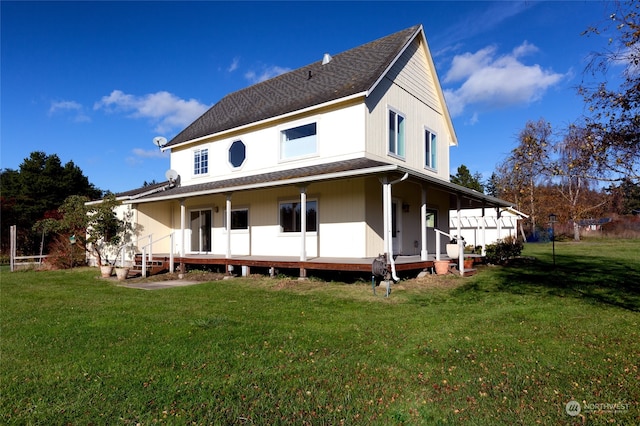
pixel 268 179
pixel 348 73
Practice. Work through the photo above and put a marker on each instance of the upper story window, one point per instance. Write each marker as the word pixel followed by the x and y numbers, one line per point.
pixel 201 161
pixel 290 216
pixel 298 141
pixel 396 134
pixel 430 150
pixel 237 153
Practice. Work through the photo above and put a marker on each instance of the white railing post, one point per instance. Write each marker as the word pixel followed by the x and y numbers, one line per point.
pixel 437 244
pixel 144 262
pixel 171 253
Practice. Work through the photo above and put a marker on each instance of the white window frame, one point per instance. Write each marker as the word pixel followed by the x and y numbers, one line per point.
pixel 430 149
pixel 432 217
pixel 396 136
pixel 197 154
pixel 297 204
pixel 224 219
pixel 244 160
pixel 282 142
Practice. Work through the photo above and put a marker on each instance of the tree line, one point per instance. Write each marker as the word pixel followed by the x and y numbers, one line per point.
pixel 586 170
pixel 592 167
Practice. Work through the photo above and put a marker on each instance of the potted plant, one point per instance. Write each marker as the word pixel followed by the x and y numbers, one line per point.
pixel 453 251
pixel 126 233
pixel 468 262
pixel 122 272
pixel 441 267
pixel 106 269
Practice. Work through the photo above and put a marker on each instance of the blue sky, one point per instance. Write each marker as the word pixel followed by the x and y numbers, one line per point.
pixel 95 82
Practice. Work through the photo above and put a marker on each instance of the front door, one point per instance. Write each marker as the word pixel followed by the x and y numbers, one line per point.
pixel 200 231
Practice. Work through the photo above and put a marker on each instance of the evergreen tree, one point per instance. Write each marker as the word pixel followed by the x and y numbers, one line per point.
pixel 37 189
pixel 463 177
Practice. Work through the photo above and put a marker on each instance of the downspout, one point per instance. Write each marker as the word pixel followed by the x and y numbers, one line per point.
pixel 390 225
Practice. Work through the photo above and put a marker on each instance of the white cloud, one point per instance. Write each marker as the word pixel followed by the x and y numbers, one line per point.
pixel 265 74
pixel 234 64
pixel 163 108
pixel 496 81
pixel 150 153
pixel 69 107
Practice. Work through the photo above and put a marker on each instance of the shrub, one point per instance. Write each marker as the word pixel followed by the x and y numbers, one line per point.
pixel 503 250
pixel 64 255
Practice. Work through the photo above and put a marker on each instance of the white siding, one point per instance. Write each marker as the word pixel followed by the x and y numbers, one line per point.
pixel 413 94
pixel 340 136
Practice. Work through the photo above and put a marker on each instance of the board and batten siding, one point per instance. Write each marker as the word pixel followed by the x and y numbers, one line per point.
pixel 155 219
pixel 409 89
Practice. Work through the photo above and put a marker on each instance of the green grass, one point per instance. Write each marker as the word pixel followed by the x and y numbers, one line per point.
pixel 509 345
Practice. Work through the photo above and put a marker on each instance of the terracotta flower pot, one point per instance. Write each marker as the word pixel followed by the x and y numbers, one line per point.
pixel 106 271
pixel 442 267
pixel 468 263
pixel 122 273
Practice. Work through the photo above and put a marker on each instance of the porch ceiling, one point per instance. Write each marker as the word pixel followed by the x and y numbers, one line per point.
pixel 316 173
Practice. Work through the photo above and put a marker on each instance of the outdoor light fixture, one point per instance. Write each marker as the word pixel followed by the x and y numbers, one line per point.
pixel 552 220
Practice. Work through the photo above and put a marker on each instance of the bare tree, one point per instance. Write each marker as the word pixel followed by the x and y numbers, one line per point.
pixel 525 167
pixel 614 124
pixel 572 166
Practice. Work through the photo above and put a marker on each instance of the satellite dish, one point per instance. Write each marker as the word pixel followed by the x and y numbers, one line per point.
pixel 159 141
pixel 172 176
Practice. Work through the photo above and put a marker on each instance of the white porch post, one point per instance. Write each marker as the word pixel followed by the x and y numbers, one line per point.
pixel 484 234
pixel 228 227
pixel 303 224
pixel 183 218
pixel 423 225
pixel 460 246
pixel 499 222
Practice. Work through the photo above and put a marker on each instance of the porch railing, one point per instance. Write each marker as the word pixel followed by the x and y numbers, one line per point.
pixel 148 254
pixel 438 233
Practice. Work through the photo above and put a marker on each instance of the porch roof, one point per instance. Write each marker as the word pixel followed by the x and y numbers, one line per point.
pixel 317 173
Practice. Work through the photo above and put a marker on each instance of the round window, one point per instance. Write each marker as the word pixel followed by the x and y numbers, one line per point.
pixel 237 153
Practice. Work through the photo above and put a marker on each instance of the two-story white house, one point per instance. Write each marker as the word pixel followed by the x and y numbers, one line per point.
pixel 324 167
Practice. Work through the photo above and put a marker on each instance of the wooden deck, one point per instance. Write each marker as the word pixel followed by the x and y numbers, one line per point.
pixel 245 263
pixel 403 263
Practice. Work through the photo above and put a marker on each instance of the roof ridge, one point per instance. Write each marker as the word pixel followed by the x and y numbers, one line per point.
pixel 349 72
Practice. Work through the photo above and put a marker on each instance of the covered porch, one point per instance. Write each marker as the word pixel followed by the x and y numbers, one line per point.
pixel 363 208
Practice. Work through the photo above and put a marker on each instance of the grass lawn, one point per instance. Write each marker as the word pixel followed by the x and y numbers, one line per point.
pixel 510 345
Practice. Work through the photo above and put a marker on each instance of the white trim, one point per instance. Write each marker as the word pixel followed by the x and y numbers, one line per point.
pixel 294 181
pixel 267 120
pixel 393 62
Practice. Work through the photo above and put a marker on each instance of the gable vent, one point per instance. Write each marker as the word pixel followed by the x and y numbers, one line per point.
pixel 326 59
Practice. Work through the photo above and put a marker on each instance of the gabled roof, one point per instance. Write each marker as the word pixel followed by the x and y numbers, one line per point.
pixel 349 73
